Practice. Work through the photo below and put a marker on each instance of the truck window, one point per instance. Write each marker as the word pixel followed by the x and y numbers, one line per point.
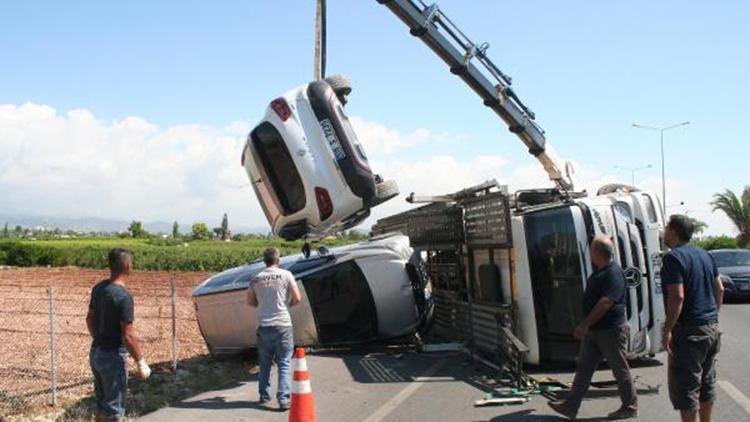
pixel 279 168
pixel 651 208
pixel 342 304
pixel 556 279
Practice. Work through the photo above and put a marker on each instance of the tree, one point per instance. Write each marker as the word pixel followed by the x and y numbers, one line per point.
pixel 738 210
pixel 225 227
pixel 175 230
pixel 699 226
pixel 5 231
pixel 136 229
pixel 200 231
pixel 18 230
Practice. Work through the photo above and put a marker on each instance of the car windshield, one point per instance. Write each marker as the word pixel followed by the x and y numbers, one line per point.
pixel 279 167
pixel 732 258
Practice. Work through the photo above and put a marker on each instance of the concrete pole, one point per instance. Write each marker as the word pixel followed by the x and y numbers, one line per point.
pixel 319 71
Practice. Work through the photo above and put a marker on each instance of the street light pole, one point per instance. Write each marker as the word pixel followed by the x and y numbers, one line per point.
pixel 661 131
pixel 663 178
pixel 632 171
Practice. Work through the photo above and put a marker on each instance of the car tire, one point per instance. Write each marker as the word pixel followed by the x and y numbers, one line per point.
pixel 385 190
pixel 341 86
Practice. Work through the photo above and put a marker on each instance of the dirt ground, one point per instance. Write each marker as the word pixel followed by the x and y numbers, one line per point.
pixel 25 327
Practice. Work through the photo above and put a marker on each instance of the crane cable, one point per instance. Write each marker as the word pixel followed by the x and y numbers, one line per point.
pixel 319 64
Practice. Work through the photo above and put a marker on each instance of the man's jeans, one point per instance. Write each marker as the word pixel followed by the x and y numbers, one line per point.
pixel 607 343
pixel 110 381
pixel 275 342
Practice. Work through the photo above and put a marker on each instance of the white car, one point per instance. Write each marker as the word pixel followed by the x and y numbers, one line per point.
pixel 307 167
pixel 373 290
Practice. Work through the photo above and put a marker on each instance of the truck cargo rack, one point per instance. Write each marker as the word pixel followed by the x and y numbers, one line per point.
pixel 452 230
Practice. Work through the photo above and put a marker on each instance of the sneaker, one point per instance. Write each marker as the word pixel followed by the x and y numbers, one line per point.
pixel 623 413
pixel 264 400
pixel 284 407
pixel 560 407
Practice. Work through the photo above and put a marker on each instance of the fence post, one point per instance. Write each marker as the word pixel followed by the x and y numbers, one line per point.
pixel 53 366
pixel 174 324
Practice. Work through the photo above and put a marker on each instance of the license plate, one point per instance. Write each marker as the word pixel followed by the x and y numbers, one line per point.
pixel 743 286
pixel 332 139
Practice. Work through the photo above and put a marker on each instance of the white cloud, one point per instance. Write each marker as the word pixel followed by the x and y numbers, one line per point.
pixel 379 139
pixel 76 165
pixel 73 164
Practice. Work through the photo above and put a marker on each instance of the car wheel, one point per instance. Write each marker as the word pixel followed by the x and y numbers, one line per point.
pixel 341 86
pixel 385 190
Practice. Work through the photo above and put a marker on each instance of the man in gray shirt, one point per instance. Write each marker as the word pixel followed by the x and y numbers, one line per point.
pixel 272 292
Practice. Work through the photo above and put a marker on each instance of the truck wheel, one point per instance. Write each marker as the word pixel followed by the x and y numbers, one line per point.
pixel 341 86
pixel 385 190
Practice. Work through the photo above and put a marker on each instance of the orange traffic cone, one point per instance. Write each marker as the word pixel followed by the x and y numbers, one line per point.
pixel 303 404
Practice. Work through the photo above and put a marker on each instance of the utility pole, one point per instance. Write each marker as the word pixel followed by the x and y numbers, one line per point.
pixel 319 71
pixel 661 131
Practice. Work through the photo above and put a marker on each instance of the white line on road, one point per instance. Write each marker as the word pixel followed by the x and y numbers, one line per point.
pixel 404 394
pixel 735 394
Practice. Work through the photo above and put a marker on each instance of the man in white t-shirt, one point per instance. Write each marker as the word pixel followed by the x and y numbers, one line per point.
pixel 272 292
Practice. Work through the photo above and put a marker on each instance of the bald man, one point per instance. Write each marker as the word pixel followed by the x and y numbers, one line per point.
pixel 603 334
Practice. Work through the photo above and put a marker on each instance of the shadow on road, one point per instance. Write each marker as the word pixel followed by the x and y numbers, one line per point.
pixel 528 415
pixel 220 402
pixel 406 366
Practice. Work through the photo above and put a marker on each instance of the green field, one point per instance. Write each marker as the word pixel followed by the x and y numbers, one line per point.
pixel 148 254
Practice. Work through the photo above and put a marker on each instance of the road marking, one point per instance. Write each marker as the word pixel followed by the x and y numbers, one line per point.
pixel 735 394
pixel 404 394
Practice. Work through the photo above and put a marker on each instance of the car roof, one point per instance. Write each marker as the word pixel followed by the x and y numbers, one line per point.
pixel 729 250
pixel 238 278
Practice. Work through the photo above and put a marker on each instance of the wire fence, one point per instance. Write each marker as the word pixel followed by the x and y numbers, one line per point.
pixel 44 342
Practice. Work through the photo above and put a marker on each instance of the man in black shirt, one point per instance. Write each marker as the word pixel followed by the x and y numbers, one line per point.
pixel 110 323
pixel 693 294
pixel 603 334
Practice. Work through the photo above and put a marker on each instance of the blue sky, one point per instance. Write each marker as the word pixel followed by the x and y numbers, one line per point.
pixel 588 70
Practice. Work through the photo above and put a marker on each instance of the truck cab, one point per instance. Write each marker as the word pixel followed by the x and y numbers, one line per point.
pixel 553 263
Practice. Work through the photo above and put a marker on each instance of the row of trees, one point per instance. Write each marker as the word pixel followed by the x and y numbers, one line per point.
pixel 198 231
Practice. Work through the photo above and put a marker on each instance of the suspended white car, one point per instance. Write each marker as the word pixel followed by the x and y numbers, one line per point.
pixel 307 167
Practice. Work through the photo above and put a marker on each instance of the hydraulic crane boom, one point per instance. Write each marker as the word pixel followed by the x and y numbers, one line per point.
pixel 450 44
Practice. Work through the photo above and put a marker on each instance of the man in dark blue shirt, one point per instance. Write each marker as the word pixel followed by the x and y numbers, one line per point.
pixel 110 323
pixel 693 294
pixel 603 334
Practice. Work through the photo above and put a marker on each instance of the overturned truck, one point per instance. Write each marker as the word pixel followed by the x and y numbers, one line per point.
pixel 508 271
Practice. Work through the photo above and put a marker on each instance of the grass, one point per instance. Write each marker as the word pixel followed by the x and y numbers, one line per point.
pixel 163 388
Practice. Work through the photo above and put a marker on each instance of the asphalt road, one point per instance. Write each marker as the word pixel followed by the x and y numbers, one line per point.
pixel 388 386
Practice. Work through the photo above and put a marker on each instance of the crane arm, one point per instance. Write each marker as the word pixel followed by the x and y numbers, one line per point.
pixel 470 62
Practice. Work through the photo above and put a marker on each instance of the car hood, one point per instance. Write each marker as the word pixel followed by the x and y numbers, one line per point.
pixel 738 271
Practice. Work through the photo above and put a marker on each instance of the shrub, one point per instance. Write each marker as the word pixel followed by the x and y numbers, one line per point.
pixel 148 254
pixel 716 242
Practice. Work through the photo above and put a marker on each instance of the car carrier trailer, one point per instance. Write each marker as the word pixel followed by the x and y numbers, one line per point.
pixel 508 271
